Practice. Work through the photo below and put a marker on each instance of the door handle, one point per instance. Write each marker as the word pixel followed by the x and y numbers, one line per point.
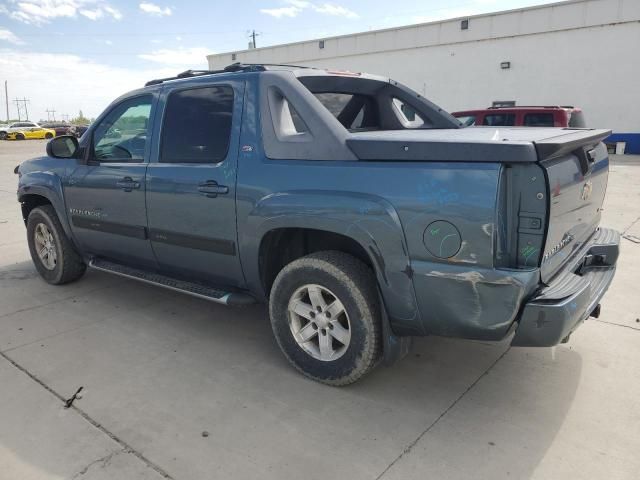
pixel 211 189
pixel 127 184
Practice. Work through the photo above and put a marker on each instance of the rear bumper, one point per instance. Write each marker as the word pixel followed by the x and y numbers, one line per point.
pixel 558 309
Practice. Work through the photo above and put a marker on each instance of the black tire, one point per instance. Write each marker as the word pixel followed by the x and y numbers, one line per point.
pixel 19 136
pixel 48 135
pixel 69 265
pixel 3 135
pixel 353 284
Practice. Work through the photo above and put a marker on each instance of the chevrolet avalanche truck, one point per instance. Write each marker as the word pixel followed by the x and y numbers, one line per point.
pixel 361 212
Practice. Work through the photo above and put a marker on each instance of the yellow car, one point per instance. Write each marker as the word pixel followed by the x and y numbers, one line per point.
pixel 30 132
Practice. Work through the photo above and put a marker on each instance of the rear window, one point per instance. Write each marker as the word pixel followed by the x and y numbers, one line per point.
pixel 538 120
pixel 499 120
pixel 197 125
pixel 353 111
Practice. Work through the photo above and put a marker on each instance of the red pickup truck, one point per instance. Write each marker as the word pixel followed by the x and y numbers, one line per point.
pixel 523 116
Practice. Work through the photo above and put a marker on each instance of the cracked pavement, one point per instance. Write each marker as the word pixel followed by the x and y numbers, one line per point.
pixel 158 368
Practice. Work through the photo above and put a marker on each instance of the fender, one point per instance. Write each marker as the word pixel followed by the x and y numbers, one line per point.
pixel 369 220
pixel 48 185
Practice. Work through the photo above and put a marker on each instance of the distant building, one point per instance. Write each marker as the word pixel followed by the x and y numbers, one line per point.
pixel 578 52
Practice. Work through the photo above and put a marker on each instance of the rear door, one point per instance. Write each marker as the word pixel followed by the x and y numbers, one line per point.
pixel 191 183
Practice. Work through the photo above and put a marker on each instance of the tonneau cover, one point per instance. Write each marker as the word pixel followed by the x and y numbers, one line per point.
pixel 472 144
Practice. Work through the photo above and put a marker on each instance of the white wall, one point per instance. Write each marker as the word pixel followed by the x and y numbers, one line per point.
pixel 582 53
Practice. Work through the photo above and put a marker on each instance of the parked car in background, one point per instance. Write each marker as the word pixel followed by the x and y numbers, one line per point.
pixel 61 128
pixel 15 127
pixel 78 130
pixel 523 116
pixel 30 133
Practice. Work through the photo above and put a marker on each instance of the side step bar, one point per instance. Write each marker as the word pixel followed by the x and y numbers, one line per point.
pixel 194 289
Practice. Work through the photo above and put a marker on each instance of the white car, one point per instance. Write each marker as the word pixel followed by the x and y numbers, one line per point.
pixel 16 126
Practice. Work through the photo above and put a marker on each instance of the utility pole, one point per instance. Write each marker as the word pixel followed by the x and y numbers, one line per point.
pixel 6 98
pixel 253 36
pixel 53 115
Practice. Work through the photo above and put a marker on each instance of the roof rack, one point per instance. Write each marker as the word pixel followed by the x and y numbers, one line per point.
pixel 234 67
pixel 530 106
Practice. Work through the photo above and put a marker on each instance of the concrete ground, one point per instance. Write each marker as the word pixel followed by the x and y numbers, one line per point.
pixel 159 368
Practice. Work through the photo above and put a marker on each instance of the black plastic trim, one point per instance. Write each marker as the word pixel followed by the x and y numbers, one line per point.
pixel 88 223
pixel 216 245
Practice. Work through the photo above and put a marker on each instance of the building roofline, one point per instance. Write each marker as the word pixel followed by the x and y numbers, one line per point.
pixel 405 27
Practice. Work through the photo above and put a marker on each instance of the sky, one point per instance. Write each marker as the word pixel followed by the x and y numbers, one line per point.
pixel 71 55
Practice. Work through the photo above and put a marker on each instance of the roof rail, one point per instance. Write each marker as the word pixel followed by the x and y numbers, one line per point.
pixel 531 106
pixel 235 67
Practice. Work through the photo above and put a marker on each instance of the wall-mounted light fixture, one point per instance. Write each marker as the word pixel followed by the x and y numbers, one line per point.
pixel 505 65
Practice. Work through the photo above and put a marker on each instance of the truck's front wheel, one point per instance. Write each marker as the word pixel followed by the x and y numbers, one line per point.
pixel 325 315
pixel 53 254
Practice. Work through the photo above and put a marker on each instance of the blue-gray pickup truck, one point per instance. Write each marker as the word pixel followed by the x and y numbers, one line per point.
pixel 360 212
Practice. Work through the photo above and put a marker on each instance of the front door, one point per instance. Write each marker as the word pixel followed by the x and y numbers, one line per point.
pixel 105 195
pixel 191 184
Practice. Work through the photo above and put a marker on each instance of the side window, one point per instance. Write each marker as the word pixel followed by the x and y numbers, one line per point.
pixel 121 136
pixel 197 125
pixel 538 120
pixel 499 120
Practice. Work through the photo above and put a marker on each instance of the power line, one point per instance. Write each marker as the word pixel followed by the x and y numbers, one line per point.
pixel 21 104
pixel 51 114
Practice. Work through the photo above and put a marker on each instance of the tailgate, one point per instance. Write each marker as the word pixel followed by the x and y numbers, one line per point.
pixel 577 167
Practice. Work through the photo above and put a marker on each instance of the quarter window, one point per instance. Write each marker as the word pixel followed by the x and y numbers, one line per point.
pixel 197 125
pixel 122 135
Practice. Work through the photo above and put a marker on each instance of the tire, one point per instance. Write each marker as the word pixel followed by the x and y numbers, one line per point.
pixel 48 135
pixel 67 265
pixel 19 136
pixel 353 284
pixel 3 135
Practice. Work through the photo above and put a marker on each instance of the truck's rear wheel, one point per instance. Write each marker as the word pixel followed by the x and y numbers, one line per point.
pixel 325 315
pixel 53 254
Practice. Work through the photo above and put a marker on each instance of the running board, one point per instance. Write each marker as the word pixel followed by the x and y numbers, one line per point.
pixel 194 289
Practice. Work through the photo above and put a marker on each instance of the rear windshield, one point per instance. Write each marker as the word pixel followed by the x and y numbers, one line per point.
pixel 365 104
pixel 354 111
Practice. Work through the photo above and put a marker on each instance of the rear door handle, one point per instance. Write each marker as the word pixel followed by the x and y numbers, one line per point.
pixel 211 189
pixel 128 184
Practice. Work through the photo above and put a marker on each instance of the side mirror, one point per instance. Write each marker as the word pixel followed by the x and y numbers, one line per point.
pixel 64 146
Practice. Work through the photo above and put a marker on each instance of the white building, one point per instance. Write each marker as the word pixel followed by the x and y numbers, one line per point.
pixel 579 52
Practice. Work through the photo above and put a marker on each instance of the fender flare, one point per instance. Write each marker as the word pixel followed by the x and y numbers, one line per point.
pixel 49 186
pixel 369 220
